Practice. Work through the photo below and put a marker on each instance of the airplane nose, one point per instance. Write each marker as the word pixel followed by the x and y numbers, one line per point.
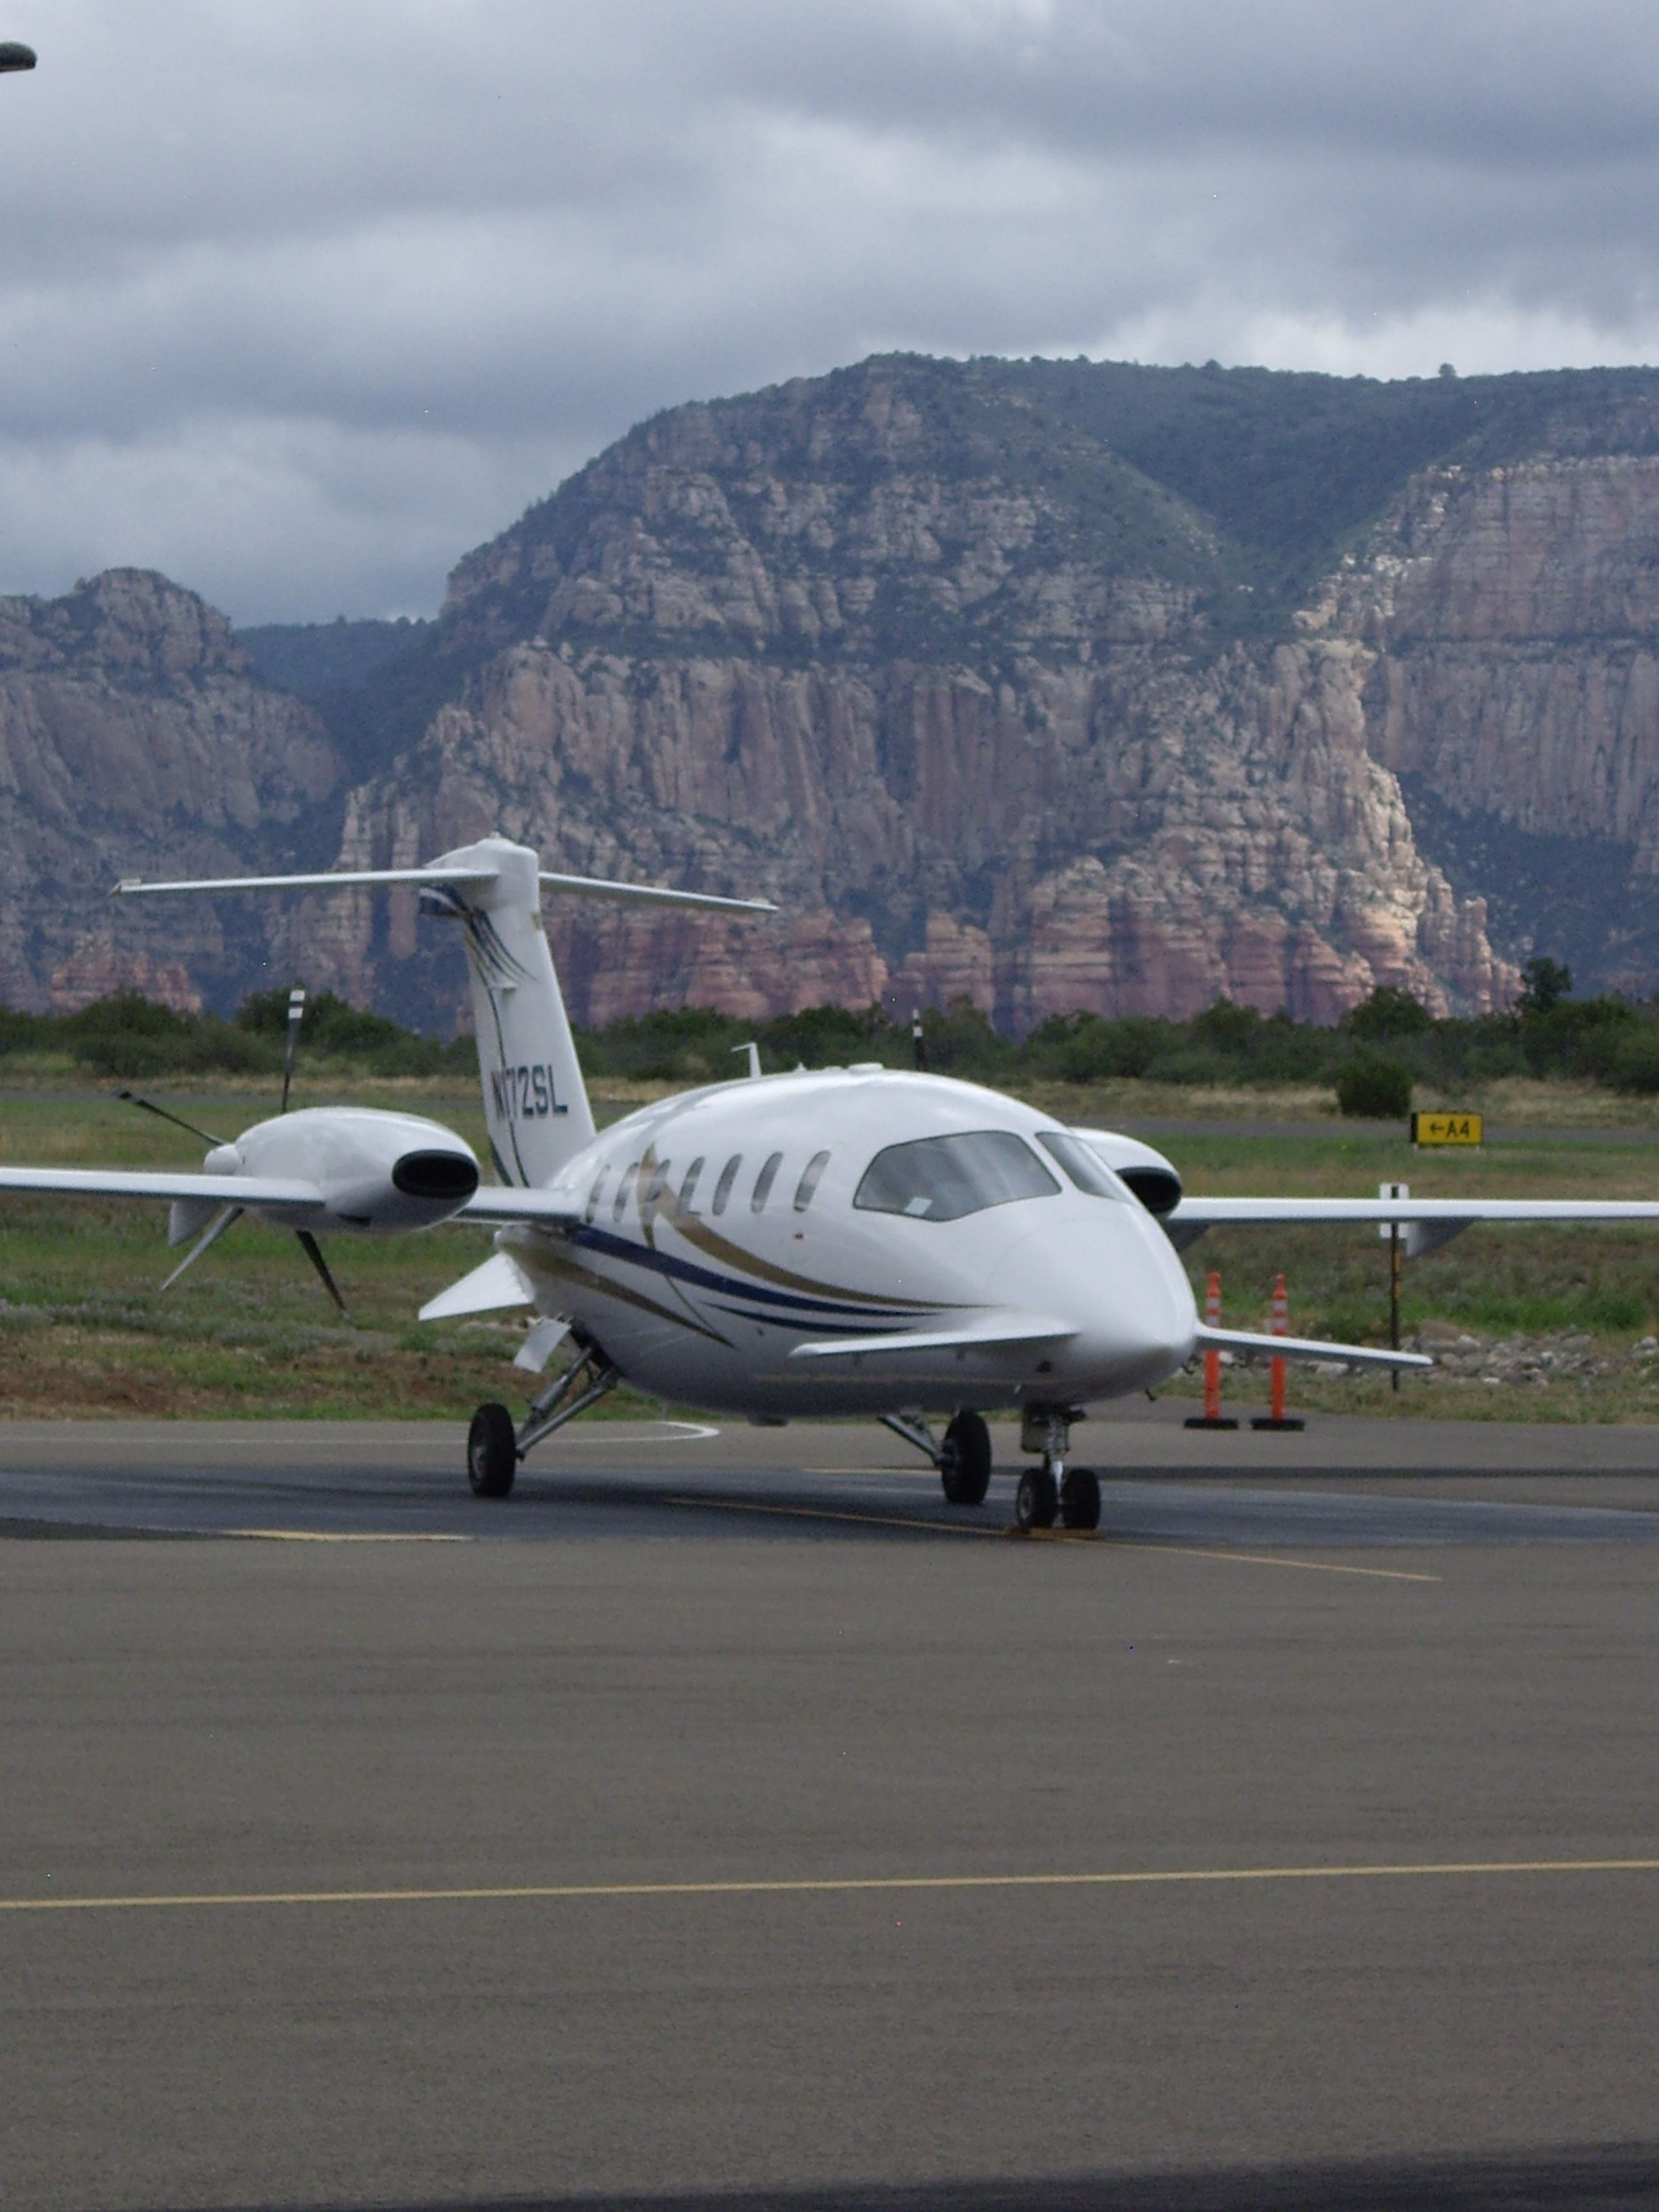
pixel 1113 1274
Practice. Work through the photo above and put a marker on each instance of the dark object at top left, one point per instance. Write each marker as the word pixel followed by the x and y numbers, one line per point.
pixel 16 56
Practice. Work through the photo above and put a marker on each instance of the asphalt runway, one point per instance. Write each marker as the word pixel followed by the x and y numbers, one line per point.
pixel 767 1840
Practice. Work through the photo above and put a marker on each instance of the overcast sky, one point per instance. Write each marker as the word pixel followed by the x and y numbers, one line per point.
pixel 300 301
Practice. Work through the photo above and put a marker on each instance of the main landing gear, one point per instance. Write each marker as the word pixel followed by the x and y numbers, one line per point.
pixel 493 1447
pixel 1052 1489
pixel 962 1456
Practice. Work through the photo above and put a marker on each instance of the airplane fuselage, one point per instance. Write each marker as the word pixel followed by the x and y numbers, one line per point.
pixel 720 1231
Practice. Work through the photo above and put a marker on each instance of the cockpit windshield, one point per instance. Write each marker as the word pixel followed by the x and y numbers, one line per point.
pixel 1082 1163
pixel 942 1178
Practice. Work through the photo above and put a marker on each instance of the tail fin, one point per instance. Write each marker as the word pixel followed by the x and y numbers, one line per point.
pixel 534 1098
pixel 535 1101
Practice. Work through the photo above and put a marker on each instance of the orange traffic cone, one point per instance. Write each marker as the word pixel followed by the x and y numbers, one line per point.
pixel 1210 1418
pixel 1274 1418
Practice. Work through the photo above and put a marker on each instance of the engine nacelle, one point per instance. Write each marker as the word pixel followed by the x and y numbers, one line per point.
pixel 378 1172
pixel 1154 1180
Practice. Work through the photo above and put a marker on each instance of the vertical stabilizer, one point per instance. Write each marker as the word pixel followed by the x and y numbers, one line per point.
pixel 535 1101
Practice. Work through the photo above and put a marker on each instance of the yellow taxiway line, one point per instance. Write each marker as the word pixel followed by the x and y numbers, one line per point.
pixel 1273 1560
pixel 347 1536
pixel 852 1885
pixel 1048 1536
pixel 834 1513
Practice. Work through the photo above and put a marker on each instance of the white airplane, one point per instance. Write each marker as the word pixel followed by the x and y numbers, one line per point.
pixel 852 1240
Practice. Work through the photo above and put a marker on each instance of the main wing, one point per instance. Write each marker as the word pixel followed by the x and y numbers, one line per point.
pixel 504 1203
pixel 1250 1343
pixel 269 1191
pixel 1214 1213
pixel 490 1204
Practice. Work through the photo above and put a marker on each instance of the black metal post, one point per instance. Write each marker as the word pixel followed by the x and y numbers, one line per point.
pixel 1394 1255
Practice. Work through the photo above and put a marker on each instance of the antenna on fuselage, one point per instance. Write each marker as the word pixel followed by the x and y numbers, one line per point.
pixel 296 1014
pixel 918 1044
pixel 753 1051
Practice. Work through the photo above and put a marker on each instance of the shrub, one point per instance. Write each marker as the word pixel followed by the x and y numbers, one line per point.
pixel 1544 984
pixel 1388 1012
pixel 1192 1065
pixel 1375 1088
pixel 1227 1029
pixel 1635 1064
pixel 1083 1048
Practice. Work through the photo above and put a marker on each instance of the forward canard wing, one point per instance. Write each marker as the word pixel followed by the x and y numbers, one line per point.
pixel 991 1333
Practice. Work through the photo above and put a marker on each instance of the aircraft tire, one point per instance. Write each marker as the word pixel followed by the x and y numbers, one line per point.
pixel 964 1465
pixel 1035 1500
pixel 492 1452
pixel 1079 1498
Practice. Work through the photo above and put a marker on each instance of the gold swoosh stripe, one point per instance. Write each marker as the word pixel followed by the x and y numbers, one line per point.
pixel 552 1261
pixel 697 1233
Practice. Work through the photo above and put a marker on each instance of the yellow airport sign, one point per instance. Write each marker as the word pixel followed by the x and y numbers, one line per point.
pixel 1447 1129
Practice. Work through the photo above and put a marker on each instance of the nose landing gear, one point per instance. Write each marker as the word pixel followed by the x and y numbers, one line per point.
pixel 1047 1493
pixel 1037 1498
pixel 1053 1489
pixel 1079 1498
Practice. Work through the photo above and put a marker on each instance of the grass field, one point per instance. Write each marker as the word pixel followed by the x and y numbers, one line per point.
pixel 1556 1316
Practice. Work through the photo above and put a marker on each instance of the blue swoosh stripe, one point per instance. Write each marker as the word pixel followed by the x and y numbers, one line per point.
pixel 687 1270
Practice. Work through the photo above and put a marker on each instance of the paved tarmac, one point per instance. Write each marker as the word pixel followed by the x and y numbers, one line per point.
pixel 1342 1482
pixel 1294 1845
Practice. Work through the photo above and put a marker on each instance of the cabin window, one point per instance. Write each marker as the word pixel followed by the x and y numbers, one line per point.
pixel 728 1176
pixel 654 1189
pixel 1082 1163
pixel 808 1180
pixel 688 1188
pixel 619 1203
pixel 764 1182
pixel 598 1191
pixel 942 1178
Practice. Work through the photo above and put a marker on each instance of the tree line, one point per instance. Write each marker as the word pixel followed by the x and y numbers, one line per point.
pixel 1372 1059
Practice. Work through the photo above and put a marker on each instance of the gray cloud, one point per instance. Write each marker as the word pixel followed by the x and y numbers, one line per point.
pixel 298 302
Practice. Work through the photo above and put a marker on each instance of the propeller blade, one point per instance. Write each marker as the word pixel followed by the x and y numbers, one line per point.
pixel 314 1252
pixel 214 1230
pixel 131 1098
pixel 296 1014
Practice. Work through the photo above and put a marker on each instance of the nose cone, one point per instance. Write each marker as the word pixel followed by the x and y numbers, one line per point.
pixel 1110 1272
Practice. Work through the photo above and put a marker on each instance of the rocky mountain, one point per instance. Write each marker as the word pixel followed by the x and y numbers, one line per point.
pixel 1061 684
pixel 136 739
pixel 988 708
pixel 317 660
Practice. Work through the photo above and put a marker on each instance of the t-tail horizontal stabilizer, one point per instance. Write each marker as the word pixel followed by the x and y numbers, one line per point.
pixel 535 1101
